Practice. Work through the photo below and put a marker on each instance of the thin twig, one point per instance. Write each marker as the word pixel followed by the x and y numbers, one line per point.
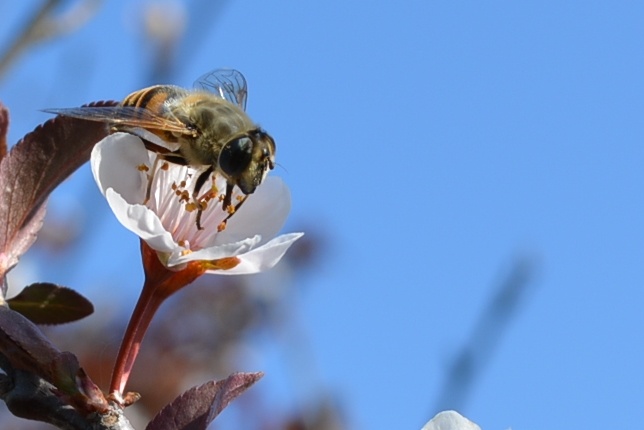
pixel 43 25
pixel 485 338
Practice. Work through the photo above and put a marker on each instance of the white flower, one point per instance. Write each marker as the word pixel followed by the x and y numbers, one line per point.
pixel 450 420
pixel 167 221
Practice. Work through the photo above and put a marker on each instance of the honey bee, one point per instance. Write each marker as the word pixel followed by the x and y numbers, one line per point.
pixel 206 128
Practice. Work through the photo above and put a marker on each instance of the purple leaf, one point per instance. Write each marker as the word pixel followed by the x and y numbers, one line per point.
pixel 21 238
pixel 199 406
pixel 26 348
pixel 45 303
pixel 4 128
pixel 31 170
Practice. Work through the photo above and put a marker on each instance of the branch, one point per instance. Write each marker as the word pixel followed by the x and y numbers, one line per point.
pixel 31 397
pixel 494 319
pixel 43 25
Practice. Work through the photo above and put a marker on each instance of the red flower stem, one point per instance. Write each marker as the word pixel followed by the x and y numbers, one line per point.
pixel 146 307
pixel 160 283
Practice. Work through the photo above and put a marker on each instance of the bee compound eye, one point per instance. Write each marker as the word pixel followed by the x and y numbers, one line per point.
pixel 235 156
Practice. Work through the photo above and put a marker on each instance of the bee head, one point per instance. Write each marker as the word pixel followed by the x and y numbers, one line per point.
pixel 246 160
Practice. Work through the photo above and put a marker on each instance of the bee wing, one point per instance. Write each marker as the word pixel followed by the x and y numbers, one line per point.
pixel 229 84
pixel 124 116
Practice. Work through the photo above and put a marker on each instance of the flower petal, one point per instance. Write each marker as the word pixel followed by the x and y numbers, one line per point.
pixel 263 213
pixel 215 252
pixel 450 420
pixel 141 221
pixel 262 258
pixel 115 162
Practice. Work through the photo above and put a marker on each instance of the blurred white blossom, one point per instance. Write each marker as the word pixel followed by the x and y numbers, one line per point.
pixel 450 420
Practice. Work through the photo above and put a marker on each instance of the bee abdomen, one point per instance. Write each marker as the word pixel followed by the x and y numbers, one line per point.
pixel 153 98
pixel 156 99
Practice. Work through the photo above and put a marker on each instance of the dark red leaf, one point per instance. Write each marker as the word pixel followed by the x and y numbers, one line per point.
pixel 27 349
pixel 22 238
pixel 45 303
pixel 25 346
pixel 199 406
pixel 4 128
pixel 32 169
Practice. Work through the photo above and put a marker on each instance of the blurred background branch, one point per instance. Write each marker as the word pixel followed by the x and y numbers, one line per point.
pixel 495 319
pixel 45 24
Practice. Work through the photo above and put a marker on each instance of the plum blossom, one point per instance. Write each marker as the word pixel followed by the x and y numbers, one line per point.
pixel 167 220
pixel 154 199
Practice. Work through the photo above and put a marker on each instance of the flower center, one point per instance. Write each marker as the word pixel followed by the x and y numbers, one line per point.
pixel 171 196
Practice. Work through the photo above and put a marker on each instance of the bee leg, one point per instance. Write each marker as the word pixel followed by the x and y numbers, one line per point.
pixel 153 170
pixel 199 212
pixel 201 180
pixel 232 212
pixel 228 197
pixel 238 205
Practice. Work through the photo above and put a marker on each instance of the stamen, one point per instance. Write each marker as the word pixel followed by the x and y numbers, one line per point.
pixel 142 168
pixel 181 191
pixel 207 196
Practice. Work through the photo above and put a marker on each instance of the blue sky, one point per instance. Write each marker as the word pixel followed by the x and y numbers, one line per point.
pixel 433 142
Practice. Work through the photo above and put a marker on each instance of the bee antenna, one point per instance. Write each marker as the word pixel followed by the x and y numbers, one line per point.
pixel 281 166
